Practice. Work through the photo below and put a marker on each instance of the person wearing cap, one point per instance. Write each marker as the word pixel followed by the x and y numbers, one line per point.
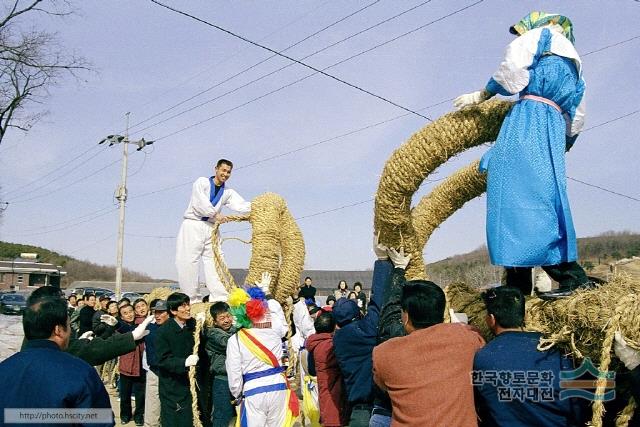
pixel 529 220
pixel 194 241
pixel 160 313
pixel 355 338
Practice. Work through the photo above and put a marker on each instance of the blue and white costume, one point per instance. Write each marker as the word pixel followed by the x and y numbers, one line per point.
pixel 528 216
pixel 194 238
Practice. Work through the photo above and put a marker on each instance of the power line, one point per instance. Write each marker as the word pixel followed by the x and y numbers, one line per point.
pixel 611 45
pixel 67 185
pixel 70 220
pixel 249 68
pixel 604 189
pixel 93 218
pixel 279 29
pixel 56 169
pixel 317 70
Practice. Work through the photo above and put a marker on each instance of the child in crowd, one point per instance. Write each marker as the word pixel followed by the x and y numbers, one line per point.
pixel 216 348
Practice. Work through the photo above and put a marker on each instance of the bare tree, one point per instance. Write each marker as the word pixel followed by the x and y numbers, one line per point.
pixel 31 61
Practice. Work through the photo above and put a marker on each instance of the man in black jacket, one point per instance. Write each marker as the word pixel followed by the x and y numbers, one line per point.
pixel 86 314
pixel 307 290
pixel 174 344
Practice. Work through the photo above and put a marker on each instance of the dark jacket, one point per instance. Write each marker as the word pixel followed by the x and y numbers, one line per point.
pixel 38 377
pixel 150 347
pixel 307 292
pixel 353 343
pixel 173 345
pixel 331 392
pixel 516 353
pixel 216 348
pixel 98 327
pixel 390 325
pixel 97 351
pixel 85 319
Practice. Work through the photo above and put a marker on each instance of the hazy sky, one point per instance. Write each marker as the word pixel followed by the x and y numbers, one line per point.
pixel 60 183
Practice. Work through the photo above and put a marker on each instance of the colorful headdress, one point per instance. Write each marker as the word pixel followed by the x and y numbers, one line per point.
pixel 247 306
pixel 538 19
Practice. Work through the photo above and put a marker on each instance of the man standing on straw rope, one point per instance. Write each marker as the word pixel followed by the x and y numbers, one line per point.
pixel 194 241
pixel 528 216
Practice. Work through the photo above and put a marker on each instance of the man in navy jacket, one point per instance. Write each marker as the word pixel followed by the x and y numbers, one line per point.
pixel 42 375
pixel 355 338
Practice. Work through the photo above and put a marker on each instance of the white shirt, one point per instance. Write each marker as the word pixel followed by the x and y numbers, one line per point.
pixel 200 204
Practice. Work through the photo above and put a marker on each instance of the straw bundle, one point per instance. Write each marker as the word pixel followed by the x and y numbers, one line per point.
pixel 410 164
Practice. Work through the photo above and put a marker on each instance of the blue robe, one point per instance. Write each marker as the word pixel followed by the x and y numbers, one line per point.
pixel 528 216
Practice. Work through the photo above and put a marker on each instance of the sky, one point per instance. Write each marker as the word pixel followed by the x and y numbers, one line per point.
pixel 319 143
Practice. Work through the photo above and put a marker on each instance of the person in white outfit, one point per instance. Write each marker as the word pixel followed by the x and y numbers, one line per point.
pixel 256 376
pixel 194 241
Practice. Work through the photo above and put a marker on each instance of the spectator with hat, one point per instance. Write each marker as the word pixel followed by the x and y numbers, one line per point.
pixel 150 364
pixel 355 338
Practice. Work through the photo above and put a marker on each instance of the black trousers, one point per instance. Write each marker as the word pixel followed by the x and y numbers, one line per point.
pixel 568 274
pixel 132 385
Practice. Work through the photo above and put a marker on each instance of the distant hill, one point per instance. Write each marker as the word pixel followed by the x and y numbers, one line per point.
pixel 472 268
pixel 76 269
pixel 595 254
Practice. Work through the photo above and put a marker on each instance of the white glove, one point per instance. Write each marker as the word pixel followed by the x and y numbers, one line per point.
pixel 264 282
pixel 192 360
pixel 141 330
pixel 471 99
pixel 627 355
pixel 109 320
pixel 201 317
pixel 399 259
pixel 378 248
pixel 458 317
pixel 87 336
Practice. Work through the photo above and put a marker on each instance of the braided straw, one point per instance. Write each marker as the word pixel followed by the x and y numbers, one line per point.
pixel 218 261
pixel 266 211
pixel 293 252
pixel 193 385
pixel 444 200
pixel 410 164
pixel 627 413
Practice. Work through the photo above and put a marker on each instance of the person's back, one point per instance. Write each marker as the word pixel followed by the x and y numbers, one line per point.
pixel 334 409
pixel 427 375
pixel 530 394
pixel 355 339
pixel 39 375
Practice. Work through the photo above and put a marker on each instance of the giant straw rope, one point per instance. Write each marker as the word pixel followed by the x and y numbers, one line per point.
pixel 583 325
pixel 412 162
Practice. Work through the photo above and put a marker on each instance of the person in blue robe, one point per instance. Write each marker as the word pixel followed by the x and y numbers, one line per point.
pixel 529 220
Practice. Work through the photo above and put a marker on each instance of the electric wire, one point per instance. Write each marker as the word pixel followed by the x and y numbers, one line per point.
pixel 239 73
pixel 297 61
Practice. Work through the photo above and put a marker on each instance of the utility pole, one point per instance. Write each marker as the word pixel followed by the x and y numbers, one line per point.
pixel 121 195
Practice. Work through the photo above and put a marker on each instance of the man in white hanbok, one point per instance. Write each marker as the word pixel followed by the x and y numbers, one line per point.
pixel 194 241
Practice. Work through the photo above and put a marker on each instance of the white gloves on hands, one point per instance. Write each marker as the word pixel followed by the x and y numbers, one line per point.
pixel 627 355
pixel 201 317
pixel 141 330
pixel 264 282
pixel 378 248
pixel 87 336
pixel 399 259
pixel 458 317
pixel 109 320
pixel 472 98
pixel 192 360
